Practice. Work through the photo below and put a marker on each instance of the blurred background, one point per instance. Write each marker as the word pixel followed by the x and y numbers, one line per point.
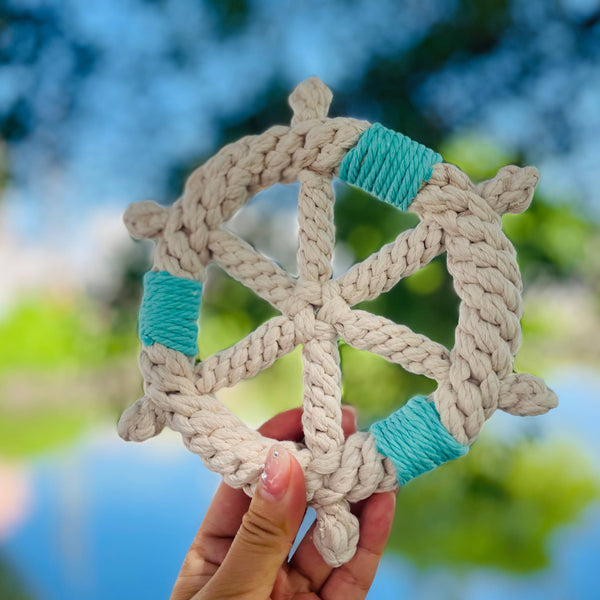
pixel 106 102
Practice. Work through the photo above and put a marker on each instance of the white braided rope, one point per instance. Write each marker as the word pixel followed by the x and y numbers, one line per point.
pixel 474 378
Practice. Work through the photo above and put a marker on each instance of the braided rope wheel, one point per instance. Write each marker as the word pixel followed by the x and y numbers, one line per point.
pixel 474 378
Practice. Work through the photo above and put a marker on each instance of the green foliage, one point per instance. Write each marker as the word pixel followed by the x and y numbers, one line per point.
pixel 474 154
pixel 553 241
pixel 59 331
pixel 62 337
pixel 29 433
pixel 497 506
pixel 366 223
pixel 10 586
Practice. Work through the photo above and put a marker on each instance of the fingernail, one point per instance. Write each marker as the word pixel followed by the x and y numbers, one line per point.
pixel 276 476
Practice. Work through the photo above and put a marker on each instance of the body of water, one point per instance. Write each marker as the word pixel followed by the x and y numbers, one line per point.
pixel 105 519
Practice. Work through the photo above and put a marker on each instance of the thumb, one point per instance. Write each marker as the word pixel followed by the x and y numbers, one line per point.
pixel 266 534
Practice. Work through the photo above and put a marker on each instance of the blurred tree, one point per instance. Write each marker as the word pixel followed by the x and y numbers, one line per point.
pixel 59 332
pixel 29 37
pixel 494 507
pixel 10 586
pixel 231 16
pixel 450 65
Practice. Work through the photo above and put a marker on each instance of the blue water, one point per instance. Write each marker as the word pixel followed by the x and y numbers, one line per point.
pixel 110 520
pixel 114 520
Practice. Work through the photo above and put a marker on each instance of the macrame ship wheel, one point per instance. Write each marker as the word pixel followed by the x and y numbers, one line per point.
pixel 456 217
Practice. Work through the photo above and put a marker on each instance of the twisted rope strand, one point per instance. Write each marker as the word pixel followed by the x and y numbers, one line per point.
pixel 240 260
pixel 380 272
pixel 257 351
pixel 396 343
pixel 336 534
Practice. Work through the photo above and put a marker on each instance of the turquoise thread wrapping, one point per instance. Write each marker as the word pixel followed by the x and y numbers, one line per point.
pixel 389 165
pixel 415 440
pixel 169 312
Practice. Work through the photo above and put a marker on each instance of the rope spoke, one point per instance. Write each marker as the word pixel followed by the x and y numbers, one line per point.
pixel 379 273
pixel 253 270
pixel 322 414
pixel 258 350
pixel 321 402
pixel 396 343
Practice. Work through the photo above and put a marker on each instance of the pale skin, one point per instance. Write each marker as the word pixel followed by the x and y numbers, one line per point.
pixel 240 551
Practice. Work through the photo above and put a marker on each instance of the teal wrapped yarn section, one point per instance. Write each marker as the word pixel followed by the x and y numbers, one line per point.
pixel 415 440
pixel 389 165
pixel 169 312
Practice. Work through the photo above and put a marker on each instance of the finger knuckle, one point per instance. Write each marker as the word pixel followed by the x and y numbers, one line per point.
pixel 354 580
pixel 259 531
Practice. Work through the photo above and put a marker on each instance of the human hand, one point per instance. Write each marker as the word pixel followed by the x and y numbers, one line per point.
pixel 241 548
